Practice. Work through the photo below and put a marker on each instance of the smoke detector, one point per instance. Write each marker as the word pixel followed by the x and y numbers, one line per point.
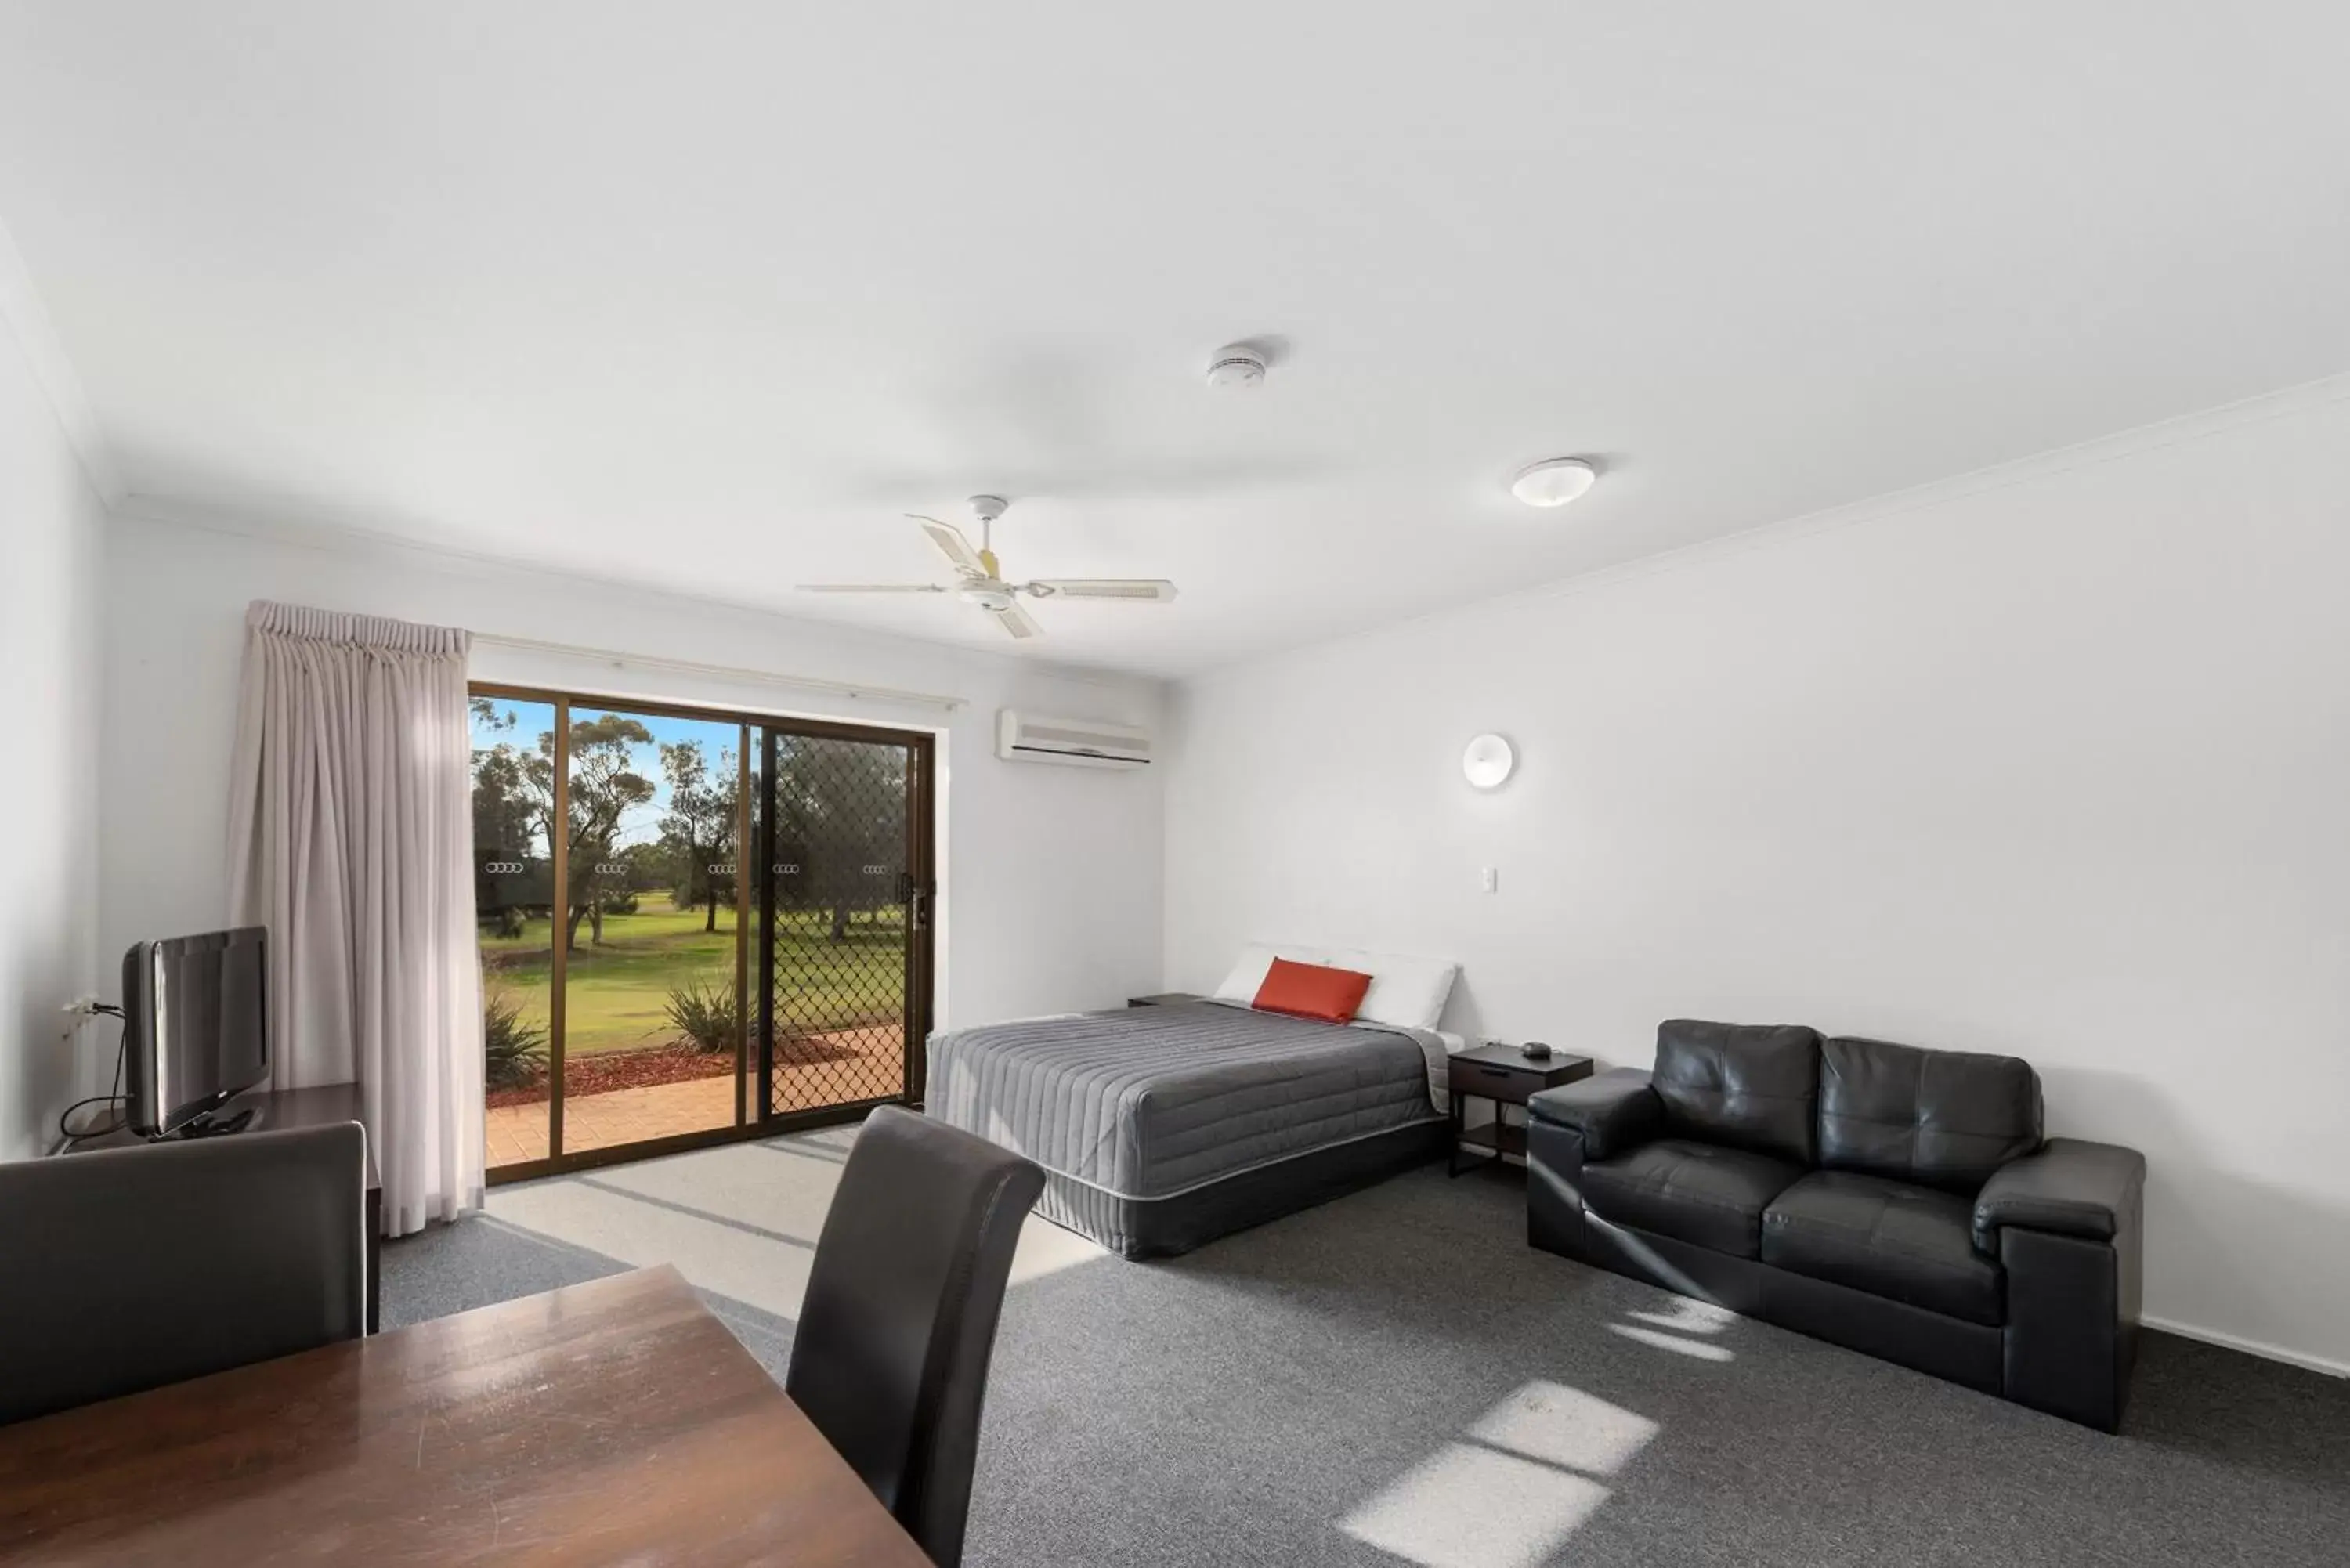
pixel 1236 367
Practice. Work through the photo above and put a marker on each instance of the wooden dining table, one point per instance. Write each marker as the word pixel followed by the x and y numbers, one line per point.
pixel 616 1421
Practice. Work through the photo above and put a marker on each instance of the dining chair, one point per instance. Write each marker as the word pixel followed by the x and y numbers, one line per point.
pixel 890 1357
pixel 126 1269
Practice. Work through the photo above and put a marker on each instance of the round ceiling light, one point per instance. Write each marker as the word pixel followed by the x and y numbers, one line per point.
pixel 1487 761
pixel 1554 481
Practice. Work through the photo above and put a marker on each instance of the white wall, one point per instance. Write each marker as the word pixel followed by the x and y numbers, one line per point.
pixel 2053 762
pixel 1051 896
pixel 52 525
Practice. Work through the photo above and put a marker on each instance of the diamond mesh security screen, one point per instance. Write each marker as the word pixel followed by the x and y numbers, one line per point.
pixel 837 946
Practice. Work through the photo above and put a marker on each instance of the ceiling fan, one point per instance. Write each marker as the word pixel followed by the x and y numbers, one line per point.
pixel 982 581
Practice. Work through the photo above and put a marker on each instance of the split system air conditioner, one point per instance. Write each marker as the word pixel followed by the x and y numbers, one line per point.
pixel 1079 742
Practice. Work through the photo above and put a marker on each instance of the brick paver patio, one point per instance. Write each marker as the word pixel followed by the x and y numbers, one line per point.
pixel 865 1062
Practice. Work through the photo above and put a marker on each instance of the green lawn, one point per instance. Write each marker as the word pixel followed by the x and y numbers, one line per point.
pixel 618 990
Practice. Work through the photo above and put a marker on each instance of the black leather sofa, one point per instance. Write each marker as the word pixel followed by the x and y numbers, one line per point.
pixel 1898 1202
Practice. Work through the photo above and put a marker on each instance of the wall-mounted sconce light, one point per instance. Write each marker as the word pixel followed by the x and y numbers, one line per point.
pixel 1487 763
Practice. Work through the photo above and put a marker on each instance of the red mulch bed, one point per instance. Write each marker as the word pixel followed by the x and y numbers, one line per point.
pixel 601 1075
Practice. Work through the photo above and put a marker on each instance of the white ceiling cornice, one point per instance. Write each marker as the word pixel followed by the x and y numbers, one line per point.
pixel 28 321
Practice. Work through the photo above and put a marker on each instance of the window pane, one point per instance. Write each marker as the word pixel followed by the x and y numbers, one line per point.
pixel 514 893
pixel 651 1024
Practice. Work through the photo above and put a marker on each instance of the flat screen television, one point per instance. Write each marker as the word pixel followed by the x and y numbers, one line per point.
pixel 195 1025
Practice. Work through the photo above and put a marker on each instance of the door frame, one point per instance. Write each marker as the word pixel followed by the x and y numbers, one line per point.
pixel 921 845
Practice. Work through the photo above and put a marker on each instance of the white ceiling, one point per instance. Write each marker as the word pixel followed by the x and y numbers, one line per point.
pixel 703 295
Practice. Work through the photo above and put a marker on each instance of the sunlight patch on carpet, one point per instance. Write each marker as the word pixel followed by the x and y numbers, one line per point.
pixel 1697 1349
pixel 1564 1426
pixel 1683 1315
pixel 1046 1249
pixel 1471 1507
pixel 1513 1493
pixel 768 1274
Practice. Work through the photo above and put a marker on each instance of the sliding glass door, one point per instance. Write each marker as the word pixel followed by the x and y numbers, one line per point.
pixel 694 924
pixel 845 903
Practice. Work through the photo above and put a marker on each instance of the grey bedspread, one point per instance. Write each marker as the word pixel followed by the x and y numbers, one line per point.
pixel 1149 1102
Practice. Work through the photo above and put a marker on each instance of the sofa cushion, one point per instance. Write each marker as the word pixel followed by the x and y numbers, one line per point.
pixel 1944 1118
pixel 1893 1238
pixel 1752 1085
pixel 1701 1193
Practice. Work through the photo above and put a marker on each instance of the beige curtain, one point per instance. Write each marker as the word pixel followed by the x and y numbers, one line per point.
pixel 350 839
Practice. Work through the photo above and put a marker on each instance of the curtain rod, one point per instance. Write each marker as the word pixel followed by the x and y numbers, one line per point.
pixel 725 671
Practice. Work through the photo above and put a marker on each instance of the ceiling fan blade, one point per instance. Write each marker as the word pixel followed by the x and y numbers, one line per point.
pixel 871 589
pixel 952 545
pixel 1015 622
pixel 1139 590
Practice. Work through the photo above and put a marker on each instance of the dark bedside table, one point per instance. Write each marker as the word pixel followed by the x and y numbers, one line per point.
pixel 1507 1077
pixel 1162 999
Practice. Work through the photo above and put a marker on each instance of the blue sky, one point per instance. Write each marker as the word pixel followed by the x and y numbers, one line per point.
pixel 642 825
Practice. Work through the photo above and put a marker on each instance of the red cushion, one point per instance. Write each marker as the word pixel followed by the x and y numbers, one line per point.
pixel 1311 991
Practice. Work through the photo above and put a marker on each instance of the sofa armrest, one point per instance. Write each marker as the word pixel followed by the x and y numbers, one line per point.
pixel 1595 1118
pixel 1614 1111
pixel 2071 1188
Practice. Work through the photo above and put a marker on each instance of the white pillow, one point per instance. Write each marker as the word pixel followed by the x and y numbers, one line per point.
pixel 1406 992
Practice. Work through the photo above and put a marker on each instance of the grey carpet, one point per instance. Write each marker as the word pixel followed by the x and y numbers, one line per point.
pixel 484 1259
pixel 1397 1378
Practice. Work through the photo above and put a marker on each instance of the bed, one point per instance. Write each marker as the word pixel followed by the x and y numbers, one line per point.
pixel 1160 1129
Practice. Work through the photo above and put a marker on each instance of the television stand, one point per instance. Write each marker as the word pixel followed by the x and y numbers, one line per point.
pixel 281 1108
